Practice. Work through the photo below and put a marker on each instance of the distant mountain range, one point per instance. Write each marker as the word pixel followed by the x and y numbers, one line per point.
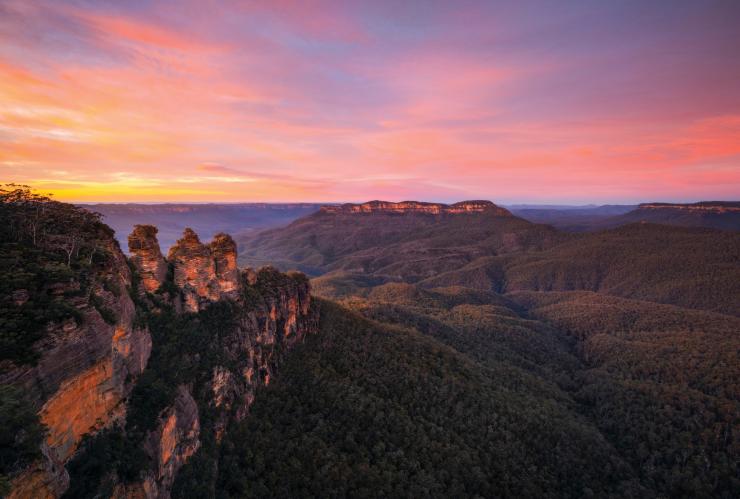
pixel 205 219
pixel 209 219
pixel 491 249
pixel 715 214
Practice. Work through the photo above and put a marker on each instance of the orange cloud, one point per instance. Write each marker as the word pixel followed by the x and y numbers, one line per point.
pixel 276 102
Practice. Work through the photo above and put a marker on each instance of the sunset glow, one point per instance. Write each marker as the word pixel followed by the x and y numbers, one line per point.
pixel 568 102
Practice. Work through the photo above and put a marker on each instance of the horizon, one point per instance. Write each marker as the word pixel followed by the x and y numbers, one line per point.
pixel 505 205
pixel 529 103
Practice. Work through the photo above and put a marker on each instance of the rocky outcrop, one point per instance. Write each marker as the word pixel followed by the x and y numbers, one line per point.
pixel 44 479
pixel 416 207
pixel 194 270
pixel 255 347
pixel 87 368
pixel 170 445
pixel 268 318
pixel 223 249
pixel 718 207
pixel 204 273
pixel 147 257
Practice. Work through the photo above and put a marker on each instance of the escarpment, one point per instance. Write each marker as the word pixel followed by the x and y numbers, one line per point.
pixel 160 360
pixel 87 366
pixel 704 206
pixel 417 207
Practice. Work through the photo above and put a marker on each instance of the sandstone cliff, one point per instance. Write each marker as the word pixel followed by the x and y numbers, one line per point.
pixel 89 371
pixel 204 273
pixel 416 207
pixel 704 206
pixel 147 257
pixel 264 314
pixel 87 368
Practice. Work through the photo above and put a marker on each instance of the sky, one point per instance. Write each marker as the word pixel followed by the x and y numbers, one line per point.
pixel 540 102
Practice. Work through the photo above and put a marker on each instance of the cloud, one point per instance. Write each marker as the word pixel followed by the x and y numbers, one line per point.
pixel 216 168
pixel 347 101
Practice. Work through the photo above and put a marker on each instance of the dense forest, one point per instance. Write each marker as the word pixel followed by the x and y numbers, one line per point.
pixel 367 410
pixel 367 407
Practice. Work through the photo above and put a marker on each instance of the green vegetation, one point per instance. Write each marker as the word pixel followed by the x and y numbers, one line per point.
pixel 661 384
pixel 691 267
pixel 21 434
pixel 185 349
pixel 368 410
pixel 658 382
pixel 49 252
pixel 389 245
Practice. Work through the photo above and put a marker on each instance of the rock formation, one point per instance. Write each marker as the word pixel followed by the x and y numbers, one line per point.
pixel 416 207
pixel 204 273
pixel 223 249
pixel 87 369
pixel 704 206
pixel 170 445
pixel 147 257
pixel 261 333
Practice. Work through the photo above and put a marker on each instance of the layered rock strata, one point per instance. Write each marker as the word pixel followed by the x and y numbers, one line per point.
pixel 147 257
pixel 204 273
pixel 416 207
pixel 88 366
pixel 263 330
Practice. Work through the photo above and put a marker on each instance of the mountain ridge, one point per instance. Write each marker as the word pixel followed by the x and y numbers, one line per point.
pixel 417 207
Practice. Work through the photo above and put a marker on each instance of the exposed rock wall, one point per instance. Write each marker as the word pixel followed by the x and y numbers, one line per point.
pixel 86 370
pixel 223 249
pixel 255 347
pixel 708 207
pixel 88 367
pixel 204 273
pixel 147 257
pixel 416 207
pixel 263 331
pixel 171 444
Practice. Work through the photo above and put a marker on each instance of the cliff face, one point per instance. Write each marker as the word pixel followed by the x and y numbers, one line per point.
pixel 265 320
pixel 88 367
pixel 702 207
pixel 204 273
pixel 223 249
pixel 147 257
pixel 174 441
pixel 416 207
pixel 86 370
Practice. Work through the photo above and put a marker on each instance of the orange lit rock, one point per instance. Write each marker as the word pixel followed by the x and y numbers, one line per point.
pixel 170 445
pixel 195 270
pixel 86 370
pixel 223 249
pixel 44 479
pixel 147 257
pixel 205 273
pixel 416 207
pixel 83 403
